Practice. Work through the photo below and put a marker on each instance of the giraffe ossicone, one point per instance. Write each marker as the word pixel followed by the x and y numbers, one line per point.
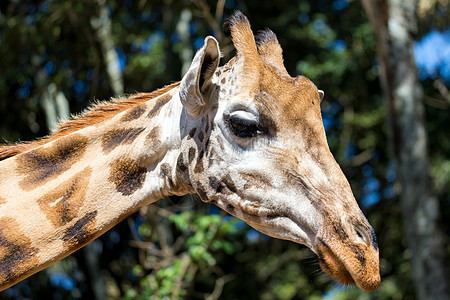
pixel 245 136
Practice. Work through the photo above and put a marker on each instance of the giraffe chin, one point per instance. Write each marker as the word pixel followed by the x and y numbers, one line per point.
pixel 344 271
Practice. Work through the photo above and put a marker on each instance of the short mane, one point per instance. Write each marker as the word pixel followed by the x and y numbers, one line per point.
pixel 95 114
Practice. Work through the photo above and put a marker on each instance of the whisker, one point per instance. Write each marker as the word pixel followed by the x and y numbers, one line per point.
pixel 317 272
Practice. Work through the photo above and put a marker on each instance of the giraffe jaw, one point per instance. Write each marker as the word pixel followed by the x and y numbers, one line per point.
pixel 355 264
pixel 286 226
pixel 341 264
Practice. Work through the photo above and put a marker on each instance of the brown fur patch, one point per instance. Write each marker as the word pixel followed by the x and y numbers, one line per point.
pixel 134 113
pixel 158 105
pixel 154 134
pixel 2 200
pixel 201 155
pixel 229 183
pixel 201 192
pixel 182 169
pixel 338 230
pixel 230 209
pixel 116 137
pixel 191 133
pixel 154 138
pixel 127 175
pixel 63 203
pixel 360 255
pixel 211 161
pixel 199 167
pixel 218 185
pixel 191 154
pixel 181 166
pixel 94 115
pixel 201 136
pixel 220 143
pixel 46 163
pixel 16 254
pixel 166 172
pixel 81 232
pixel 213 157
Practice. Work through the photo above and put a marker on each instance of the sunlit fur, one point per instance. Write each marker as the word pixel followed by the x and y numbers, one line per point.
pixel 60 192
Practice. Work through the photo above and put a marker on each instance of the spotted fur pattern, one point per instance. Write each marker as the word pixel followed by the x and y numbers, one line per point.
pixel 246 137
pixel 62 204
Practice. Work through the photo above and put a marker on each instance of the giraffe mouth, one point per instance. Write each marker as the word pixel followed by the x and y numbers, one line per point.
pixel 348 264
pixel 346 269
pixel 333 266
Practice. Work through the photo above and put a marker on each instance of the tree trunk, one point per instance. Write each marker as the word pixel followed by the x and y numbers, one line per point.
pixel 56 106
pixel 394 21
pixel 94 274
pixel 186 54
pixel 102 27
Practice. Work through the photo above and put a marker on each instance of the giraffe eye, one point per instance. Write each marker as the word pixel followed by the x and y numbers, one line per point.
pixel 242 126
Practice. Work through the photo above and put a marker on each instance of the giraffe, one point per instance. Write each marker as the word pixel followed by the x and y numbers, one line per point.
pixel 245 136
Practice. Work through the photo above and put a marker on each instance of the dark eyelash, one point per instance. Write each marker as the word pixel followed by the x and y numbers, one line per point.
pixel 243 128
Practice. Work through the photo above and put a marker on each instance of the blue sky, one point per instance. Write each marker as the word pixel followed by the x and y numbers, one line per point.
pixel 432 54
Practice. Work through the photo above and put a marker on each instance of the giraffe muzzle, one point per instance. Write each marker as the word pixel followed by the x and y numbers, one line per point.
pixel 350 263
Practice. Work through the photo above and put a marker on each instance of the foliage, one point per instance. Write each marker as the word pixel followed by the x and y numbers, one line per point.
pixel 180 248
pixel 204 238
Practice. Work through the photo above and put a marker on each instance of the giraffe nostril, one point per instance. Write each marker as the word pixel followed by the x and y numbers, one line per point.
pixel 373 238
pixel 363 235
pixel 366 235
pixel 360 235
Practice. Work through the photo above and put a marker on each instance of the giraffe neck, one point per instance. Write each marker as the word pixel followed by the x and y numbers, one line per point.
pixel 57 197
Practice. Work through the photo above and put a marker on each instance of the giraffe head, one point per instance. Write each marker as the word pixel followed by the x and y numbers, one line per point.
pixel 254 144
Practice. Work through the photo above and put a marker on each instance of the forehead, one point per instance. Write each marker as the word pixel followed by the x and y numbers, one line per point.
pixel 287 99
pixel 287 102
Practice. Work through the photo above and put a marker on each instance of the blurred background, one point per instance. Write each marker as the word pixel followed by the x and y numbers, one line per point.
pixel 385 68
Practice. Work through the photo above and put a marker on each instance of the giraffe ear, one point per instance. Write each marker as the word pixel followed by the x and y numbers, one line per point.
pixel 197 80
pixel 321 95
